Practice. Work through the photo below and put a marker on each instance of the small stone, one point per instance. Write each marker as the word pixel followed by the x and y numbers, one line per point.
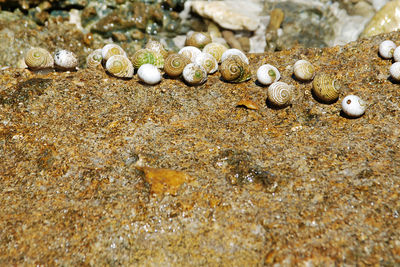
pixel 119 37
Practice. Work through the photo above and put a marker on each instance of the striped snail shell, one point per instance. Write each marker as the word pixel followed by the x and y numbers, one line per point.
pixel 267 74
pixel 208 62
pixel 194 74
pixel 353 106
pixel 174 64
pixel 156 46
pixel 324 88
pixel 190 51
pixel 146 56
pixel 119 66
pixel 38 58
pixel 303 70
pixel 386 49
pixel 235 70
pixel 65 60
pixel 149 74
pixel 234 52
pixel 216 50
pixel 197 39
pixel 395 71
pixel 110 50
pixel 279 94
pixel 94 59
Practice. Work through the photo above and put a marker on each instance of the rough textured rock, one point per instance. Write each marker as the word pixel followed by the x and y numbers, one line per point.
pixel 295 186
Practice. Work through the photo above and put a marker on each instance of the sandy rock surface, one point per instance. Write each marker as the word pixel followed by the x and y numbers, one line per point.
pixel 218 184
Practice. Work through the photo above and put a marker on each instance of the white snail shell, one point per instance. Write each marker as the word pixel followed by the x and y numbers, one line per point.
pixel 148 73
pixel 396 54
pixel 190 51
pixel 386 49
pixel 120 66
pixel 395 71
pixel 303 70
pixel 65 60
pixel 94 59
pixel 194 74
pixel 110 50
pixel 216 50
pixel 38 58
pixel 207 61
pixel 236 52
pixel 280 94
pixel 267 74
pixel 353 106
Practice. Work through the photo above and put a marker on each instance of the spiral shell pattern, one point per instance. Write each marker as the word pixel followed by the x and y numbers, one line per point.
pixel 216 50
pixel 120 66
pixel 194 74
pixel 174 64
pixel 190 52
pixel 324 88
pixel 38 58
pixel 235 70
pixel 110 50
pixel 198 39
pixel 279 94
pixel 157 47
pixel 303 70
pixel 207 61
pixel 94 59
pixel 234 52
pixel 65 60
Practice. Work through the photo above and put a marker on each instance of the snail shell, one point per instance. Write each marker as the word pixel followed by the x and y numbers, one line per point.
pixel 234 69
pixel 38 58
pixel 94 59
pixel 190 51
pixel 194 74
pixel 395 71
pixel 110 50
pixel 216 50
pixel 207 61
pixel 386 49
pixel 396 54
pixel 156 46
pixel 198 39
pixel 174 64
pixel 120 66
pixel 303 70
pixel 149 74
pixel 267 74
pixel 146 56
pixel 353 106
pixel 324 88
pixel 234 52
pixel 279 94
pixel 65 60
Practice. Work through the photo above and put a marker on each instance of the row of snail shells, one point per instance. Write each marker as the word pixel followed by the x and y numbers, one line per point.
pixel 149 74
pixel 207 61
pixel 234 69
pixel 216 50
pixel 190 52
pixel 197 39
pixel 120 66
pixel 388 50
pixel 280 94
pixel 267 74
pixel 303 70
pixel 38 58
pixel 65 60
pixel 146 56
pixel 174 64
pixel 324 88
pixel 194 74
pixel 94 59
pixel 110 50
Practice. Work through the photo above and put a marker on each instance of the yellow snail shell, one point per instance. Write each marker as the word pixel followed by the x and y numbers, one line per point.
pixel 94 59
pixel 65 60
pixel 38 58
pixel 156 46
pixel 279 94
pixel 174 64
pixel 234 52
pixel 216 50
pixel 235 70
pixel 197 39
pixel 194 74
pixel 190 52
pixel 110 50
pixel 208 62
pixel 120 66
pixel 303 70
pixel 324 88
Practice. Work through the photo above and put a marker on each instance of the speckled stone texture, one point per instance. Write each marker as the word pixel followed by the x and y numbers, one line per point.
pixel 293 186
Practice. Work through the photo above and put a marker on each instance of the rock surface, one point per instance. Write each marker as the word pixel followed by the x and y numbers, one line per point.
pixel 293 186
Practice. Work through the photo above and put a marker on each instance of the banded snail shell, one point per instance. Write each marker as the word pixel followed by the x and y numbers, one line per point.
pixel 146 56
pixel 386 49
pixel 208 62
pixel 324 88
pixel 235 70
pixel 174 64
pixel 38 58
pixel 267 74
pixel 216 50
pixel 149 74
pixel 194 74
pixel 303 70
pixel 110 50
pixel 156 46
pixel 280 94
pixel 190 52
pixel 120 66
pixel 234 52
pixel 94 59
pixel 65 60
pixel 197 39
pixel 353 106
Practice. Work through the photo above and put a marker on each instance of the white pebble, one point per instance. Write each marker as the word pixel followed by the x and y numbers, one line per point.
pixel 149 74
pixel 386 49
pixel 353 106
